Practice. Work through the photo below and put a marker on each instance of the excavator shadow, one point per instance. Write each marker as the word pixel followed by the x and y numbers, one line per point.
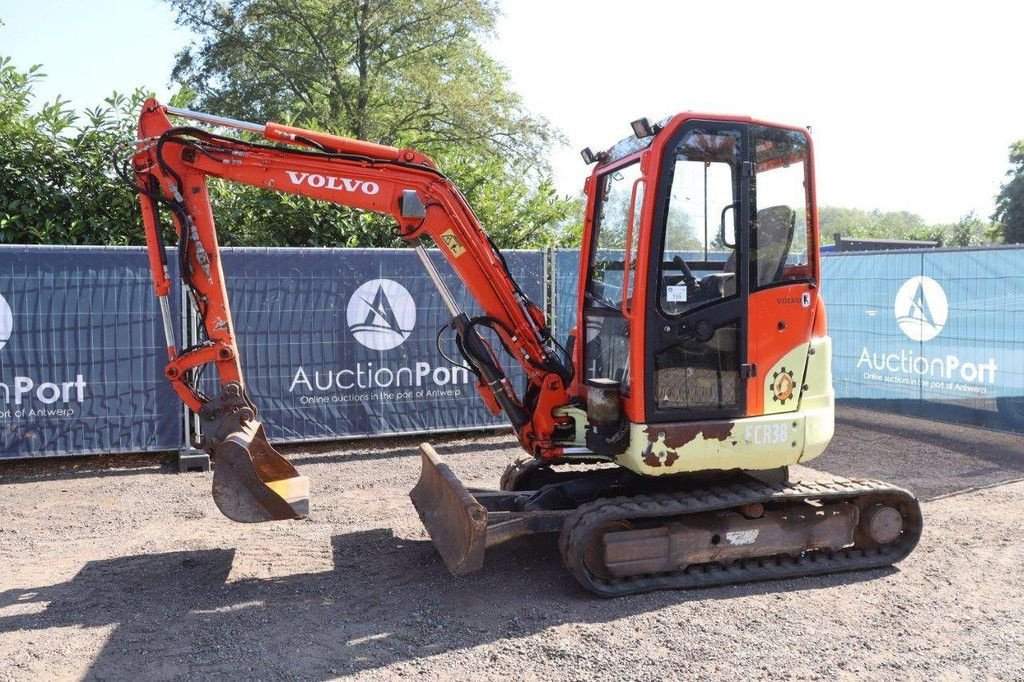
pixel 386 600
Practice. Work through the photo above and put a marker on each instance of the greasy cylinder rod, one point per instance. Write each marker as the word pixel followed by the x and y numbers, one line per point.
pixel 435 277
pixel 165 313
pixel 475 348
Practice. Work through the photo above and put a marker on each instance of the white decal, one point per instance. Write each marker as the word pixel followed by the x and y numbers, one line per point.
pixel 332 182
pixel 742 537
pixel 381 314
pixel 921 308
pixel 766 434
pixel 676 294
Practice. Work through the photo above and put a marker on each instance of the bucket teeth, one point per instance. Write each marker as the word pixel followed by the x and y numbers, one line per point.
pixel 455 520
pixel 252 482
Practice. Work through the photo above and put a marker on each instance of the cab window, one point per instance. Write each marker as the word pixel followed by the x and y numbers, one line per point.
pixel 780 238
pixel 698 261
pixel 606 346
pixel 607 264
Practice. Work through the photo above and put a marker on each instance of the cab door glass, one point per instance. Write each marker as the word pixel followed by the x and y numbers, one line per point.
pixel 780 239
pixel 698 263
pixel 612 225
pixel 606 349
pixel 697 370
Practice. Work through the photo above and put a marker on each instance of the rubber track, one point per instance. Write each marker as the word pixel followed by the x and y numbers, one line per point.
pixel 589 518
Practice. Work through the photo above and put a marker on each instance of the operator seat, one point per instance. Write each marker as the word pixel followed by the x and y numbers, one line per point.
pixel 773 235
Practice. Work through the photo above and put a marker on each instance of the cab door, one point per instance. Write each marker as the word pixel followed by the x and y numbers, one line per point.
pixel 783 268
pixel 695 357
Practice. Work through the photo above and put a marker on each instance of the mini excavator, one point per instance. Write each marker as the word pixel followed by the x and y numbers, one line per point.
pixel 659 438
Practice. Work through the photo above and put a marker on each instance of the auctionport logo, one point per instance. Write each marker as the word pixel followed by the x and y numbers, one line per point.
pixel 381 314
pixel 6 321
pixel 921 308
pixel 24 388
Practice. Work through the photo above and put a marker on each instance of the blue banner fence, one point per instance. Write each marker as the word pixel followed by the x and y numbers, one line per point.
pixel 82 354
pixel 929 330
pixel 937 332
pixel 339 343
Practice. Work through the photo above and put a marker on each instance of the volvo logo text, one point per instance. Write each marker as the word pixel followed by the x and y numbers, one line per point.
pixel 332 182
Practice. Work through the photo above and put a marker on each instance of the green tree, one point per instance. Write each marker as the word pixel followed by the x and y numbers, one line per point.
pixel 859 223
pixel 1010 200
pixel 970 230
pixel 56 180
pixel 398 72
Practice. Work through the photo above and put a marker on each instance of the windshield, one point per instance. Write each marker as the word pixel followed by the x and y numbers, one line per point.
pixel 607 263
pixel 698 265
pixel 780 239
pixel 606 347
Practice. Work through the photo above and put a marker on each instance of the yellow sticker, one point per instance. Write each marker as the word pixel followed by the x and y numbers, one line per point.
pixel 453 243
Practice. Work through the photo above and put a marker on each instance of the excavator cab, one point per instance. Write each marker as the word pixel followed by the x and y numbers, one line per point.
pixel 699 305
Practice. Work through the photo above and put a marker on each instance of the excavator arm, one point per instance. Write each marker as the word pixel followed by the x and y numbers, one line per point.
pixel 171 165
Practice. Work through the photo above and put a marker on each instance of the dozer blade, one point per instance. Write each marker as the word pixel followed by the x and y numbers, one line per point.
pixel 252 482
pixel 456 522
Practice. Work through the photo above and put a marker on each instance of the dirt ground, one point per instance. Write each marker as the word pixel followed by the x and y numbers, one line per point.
pixel 119 567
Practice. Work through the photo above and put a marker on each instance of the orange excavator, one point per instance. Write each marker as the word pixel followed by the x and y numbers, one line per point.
pixel 659 439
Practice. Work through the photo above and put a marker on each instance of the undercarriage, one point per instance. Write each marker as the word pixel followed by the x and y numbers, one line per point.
pixel 620 533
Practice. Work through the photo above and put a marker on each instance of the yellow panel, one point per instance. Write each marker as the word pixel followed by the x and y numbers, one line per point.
pixel 291 489
pixel 752 443
pixel 783 382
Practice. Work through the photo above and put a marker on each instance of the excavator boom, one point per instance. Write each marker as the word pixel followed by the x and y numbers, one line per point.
pixel 172 165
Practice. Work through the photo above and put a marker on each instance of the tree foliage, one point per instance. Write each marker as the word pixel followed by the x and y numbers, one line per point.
pixel 56 184
pixel 398 72
pixel 1010 200
pixel 857 223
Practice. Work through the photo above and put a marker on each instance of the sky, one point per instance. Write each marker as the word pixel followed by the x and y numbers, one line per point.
pixel 912 104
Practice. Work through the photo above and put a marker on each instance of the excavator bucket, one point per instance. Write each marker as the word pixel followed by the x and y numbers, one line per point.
pixel 252 482
pixel 455 520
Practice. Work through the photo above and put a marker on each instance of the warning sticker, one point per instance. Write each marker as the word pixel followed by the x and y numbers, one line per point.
pixel 742 537
pixel 453 243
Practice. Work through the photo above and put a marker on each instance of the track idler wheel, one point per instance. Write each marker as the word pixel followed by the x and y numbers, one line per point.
pixel 880 524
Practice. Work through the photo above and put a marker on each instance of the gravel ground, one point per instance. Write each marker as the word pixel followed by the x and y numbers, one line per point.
pixel 118 567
